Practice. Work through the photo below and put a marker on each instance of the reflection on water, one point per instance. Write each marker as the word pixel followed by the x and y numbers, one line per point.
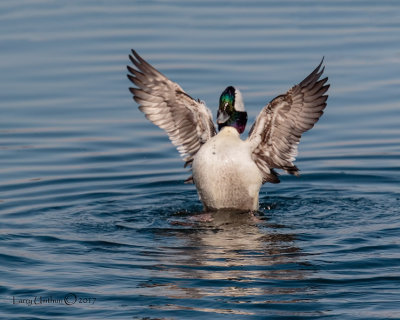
pixel 237 257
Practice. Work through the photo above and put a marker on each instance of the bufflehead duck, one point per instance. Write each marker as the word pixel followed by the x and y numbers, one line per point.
pixel 228 172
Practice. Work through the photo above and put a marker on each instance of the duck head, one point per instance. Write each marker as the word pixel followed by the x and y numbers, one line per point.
pixel 231 110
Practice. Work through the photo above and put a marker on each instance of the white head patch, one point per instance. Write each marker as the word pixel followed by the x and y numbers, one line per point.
pixel 239 105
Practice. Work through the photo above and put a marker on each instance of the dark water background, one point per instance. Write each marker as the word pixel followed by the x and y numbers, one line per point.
pixel 95 221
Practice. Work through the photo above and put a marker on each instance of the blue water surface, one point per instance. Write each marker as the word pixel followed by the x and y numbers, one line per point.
pixel 95 220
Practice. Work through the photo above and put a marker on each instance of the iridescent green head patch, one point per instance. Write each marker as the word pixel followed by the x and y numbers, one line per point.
pixel 227 99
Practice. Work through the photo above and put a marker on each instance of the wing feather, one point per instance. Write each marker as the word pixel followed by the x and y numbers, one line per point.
pixel 278 128
pixel 187 122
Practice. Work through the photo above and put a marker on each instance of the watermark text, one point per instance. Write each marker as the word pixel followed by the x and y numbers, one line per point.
pixel 69 299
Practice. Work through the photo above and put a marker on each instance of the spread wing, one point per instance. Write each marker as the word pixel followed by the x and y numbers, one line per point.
pixel 278 128
pixel 187 122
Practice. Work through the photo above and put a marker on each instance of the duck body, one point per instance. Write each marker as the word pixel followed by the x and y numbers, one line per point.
pixel 225 175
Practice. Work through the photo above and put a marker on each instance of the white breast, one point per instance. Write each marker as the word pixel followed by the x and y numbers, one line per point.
pixel 224 173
